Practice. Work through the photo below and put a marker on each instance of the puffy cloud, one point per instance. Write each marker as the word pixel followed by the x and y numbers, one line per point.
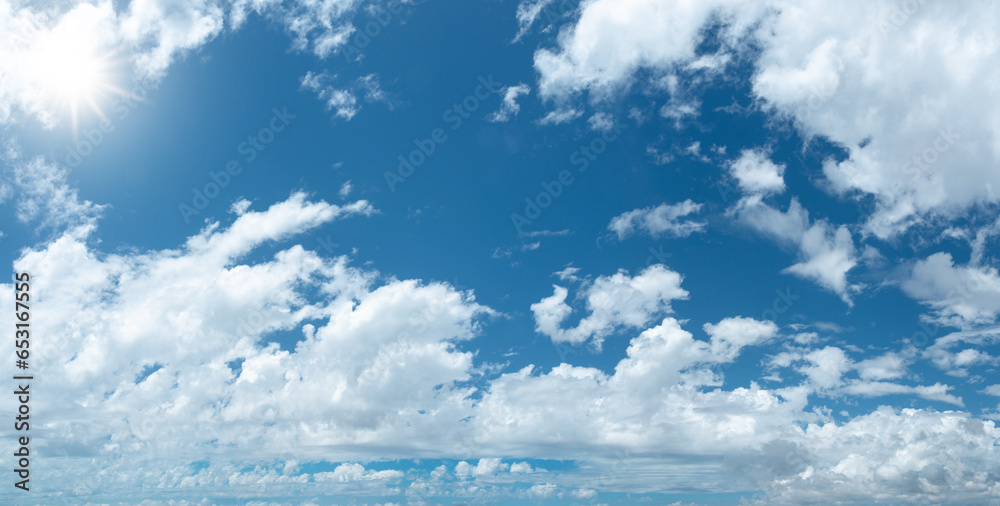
pixel 756 173
pixel 658 221
pixel 918 456
pixel 485 467
pixel 827 253
pixel 356 472
pixel 826 366
pixel 961 296
pixel 150 359
pixel 612 39
pixel 614 302
pixel 203 316
pixel 731 335
pixel 840 80
pixel 827 372
pixel 958 352
pixel 888 366
pixel 161 30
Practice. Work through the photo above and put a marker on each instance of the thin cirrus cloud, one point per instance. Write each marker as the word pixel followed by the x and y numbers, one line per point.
pixel 662 220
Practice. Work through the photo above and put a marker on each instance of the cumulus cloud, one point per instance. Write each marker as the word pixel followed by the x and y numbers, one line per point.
pixel 826 252
pixel 756 173
pixel 961 296
pixel 828 371
pixel 958 352
pixel 614 302
pixel 840 81
pixel 662 220
pixel 159 369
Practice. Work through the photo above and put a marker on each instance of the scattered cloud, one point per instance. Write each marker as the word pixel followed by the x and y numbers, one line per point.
pixel 662 220
pixel 509 107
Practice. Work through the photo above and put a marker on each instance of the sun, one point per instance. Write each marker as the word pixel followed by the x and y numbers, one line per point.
pixel 73 73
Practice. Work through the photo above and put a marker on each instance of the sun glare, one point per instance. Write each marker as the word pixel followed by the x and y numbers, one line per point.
pixel 74 74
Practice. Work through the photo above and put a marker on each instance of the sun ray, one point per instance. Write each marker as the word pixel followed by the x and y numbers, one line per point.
pixel 76 75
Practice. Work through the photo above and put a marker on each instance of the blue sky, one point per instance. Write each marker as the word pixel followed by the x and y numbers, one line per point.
pixel 700 252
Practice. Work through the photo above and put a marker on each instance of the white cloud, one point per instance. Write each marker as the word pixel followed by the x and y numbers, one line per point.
pixel 961 296
pixel 320 26
pixel 614 38
pixel 527 12
pixel 44 195
pixel 827 371
pixel 935 392
pixel 373 90
pixel 907 455
pixel 731 335
pixel 356 472
pixel 167 29
pixel 509 107
pixel 543 490
pixel 41 52
pixel 826 366
pixel 560 116
pixel 840 80
pixel 343 101
pixel 756 173
pixel 826 253
pixel 614 302
pixel 51 52
pixel 888 366
pixel 601 121
pixel 345 189
pixel 957 352
pixel 658 221
pixel 378 373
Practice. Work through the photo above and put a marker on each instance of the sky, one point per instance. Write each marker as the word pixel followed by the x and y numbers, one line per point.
pixel 503 252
